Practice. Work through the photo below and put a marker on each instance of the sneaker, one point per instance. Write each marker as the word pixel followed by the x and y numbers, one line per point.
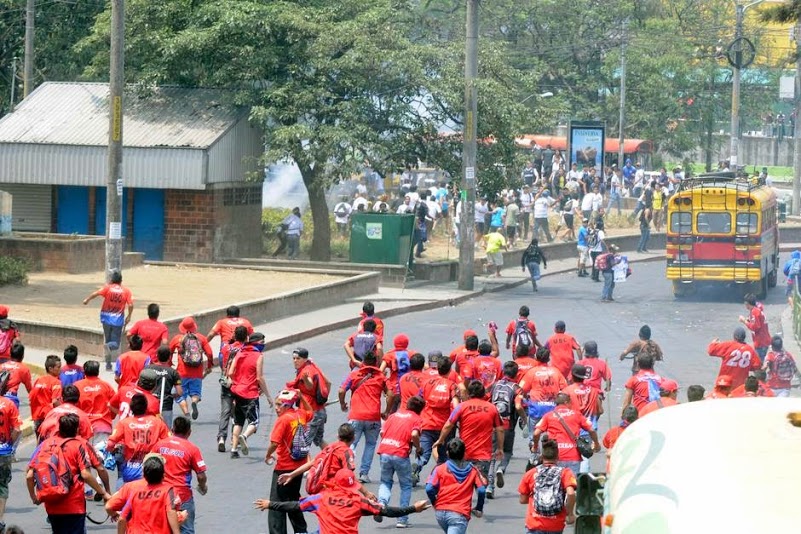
pixel 194 411
pixel 234 455
pixel 499 478
pixel 243 445
pixel 490 494
pixel 400 524
pixel 364 478
pixel 415 477
pixel 221 445
pixel 108 366
pixel 378 518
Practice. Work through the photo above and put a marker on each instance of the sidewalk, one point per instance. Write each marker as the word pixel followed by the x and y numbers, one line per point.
pixel 389 302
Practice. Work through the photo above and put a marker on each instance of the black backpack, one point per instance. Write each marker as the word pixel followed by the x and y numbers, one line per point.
pixel 503 397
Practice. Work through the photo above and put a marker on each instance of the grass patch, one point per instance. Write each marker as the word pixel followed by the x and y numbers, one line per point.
pixel 13 271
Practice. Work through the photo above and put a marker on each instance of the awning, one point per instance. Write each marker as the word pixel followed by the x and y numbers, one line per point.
pixel 630 146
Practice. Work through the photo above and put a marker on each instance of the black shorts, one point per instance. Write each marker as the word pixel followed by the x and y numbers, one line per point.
pixel 243 410
pixel 569 220
pixel 511 231
pixel 480 227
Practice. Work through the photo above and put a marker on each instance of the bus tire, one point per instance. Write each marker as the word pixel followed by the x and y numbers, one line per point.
pixel 773 278
pixel 682 289
pixel 760 288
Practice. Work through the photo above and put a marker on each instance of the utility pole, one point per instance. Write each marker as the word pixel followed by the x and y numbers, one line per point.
pixel 468 193
pixel 114 184
pixel 797 132
pixel 620 136
pixel 13 84
pixel 27 84
pixel 735 88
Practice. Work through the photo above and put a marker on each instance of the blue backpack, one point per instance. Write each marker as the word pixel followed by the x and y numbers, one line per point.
pixel 653 388
pixel 402 361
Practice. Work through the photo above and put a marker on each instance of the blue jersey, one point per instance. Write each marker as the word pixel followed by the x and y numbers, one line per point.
pixel 582 237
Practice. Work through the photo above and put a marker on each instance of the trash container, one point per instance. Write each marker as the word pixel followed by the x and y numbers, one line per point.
pixel 381 238
pixel 782 210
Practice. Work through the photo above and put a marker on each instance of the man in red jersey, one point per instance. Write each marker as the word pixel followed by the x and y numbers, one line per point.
pixel 583 397
pixel 475 417
pixel 432 369
pixel 781 368
pixel 67 515
pixel 540 385
pixel 556 424
pixel 368 314
pixel 95 394
pixel 9 434
pixel 757 323
pixel 738 358
pixel 228 352
pixel 668 391
pixel 153 332
pixel 147 505
pixel 367 385
pixel 116 298
pixel 450 489
pixel 290 416
pixel 340 506
pixel 46 393
pixel 486 368
pixel 315 388
pixel 525 362
pixel 130 364
pixel 182 458
pixel 400 432
pixel 247 384
pixel 762 389
pixel 225 327
pixel 70 396
pixel 330 460
pixel 19 374
pixel 522 331
pixel 722 388
pixel 120 403
pixel 411 384
pixel 136 435
pixel 613 434
pixel 643 387
pixel 460 357
pixel 363 341
pixel 398 364
pixel 191 346
pixel 597 370
pixel 9 334
pixel 564 349
pixel 563 478
pixel 441 395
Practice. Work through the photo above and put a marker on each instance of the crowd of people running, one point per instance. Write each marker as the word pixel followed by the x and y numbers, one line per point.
pixel 462 411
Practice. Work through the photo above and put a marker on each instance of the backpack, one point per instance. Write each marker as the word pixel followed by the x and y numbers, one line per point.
pixel 191 350
pixel 52 476
pixel 322 387
pixel 402 363
pixel 522 335
pixel 592 239
pixel 5 376
pixel 322 466
pixel 783 367
pixel 301 442
pixel 649 348
pixel 653 389
pixel 8 332
pixel 602 262
pixel 549 495
pixel 503 397
pixel 363 343
pixel 225 380
pixel 341 210
pixel 795 268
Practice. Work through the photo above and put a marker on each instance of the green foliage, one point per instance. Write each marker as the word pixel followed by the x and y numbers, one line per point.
pixel 13 271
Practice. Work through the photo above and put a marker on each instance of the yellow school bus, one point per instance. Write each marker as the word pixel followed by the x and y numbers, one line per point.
pixel 722 229
pixel 728 466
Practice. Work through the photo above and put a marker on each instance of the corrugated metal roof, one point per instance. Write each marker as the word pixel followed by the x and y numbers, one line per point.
pixel 75 113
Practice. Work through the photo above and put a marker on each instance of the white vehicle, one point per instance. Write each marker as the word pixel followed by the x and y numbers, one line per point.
pixel 728 466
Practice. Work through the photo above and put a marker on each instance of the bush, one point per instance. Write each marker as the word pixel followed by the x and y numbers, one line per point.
pixel 13 271
pixel 271 221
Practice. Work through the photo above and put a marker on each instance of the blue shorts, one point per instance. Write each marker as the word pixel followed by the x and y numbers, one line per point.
pixel 192 387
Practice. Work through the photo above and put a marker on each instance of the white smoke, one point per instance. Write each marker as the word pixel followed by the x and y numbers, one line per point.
pixel 284 188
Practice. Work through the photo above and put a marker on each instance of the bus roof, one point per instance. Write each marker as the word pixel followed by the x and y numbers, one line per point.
pixel 729 465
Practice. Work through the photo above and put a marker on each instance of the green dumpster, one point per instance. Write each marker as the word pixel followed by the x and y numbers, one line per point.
pixel 381 238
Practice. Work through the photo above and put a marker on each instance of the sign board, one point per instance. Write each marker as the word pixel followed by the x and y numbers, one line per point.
pixel 586 144
pixel 470 176
pixel 374 230
pixel 787 87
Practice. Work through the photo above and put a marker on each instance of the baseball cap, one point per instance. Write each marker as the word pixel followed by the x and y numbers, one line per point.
pixel 256 337
pixel 468 333
pixel 579 371
pixel 345 478
pixel 585 220
pixel 669 385
pixel 286 397
pixel 434 355
pixel 723 381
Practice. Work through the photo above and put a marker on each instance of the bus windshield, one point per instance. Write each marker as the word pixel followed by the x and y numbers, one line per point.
pixel 713 222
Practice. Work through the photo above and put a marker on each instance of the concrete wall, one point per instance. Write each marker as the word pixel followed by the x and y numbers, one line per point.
pixel 754 151
pixel 55 252
pixel 90 341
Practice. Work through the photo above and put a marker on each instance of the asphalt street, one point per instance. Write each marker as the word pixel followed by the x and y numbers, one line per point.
pixel 683 328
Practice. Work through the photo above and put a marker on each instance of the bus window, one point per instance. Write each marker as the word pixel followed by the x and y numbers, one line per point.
pixel 746 223
pixel 713 223
pixel 681 222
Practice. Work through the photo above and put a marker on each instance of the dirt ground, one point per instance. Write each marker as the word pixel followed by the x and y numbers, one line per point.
pixel 57 297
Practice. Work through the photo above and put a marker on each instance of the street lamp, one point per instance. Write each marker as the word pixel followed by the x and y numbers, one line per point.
pixel 546 94
pixel 737 65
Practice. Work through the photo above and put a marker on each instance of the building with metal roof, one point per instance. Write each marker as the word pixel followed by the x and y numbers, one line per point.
pixel 187 155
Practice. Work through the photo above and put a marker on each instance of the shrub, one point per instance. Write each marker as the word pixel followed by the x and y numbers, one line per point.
pixel 13 271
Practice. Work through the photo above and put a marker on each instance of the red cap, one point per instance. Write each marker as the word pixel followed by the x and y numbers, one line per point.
pixel 468 333
pixel 723 381
pixel 401 341
pixel 345 478
pixel 187 325
pixel 3 312
pixel 669 385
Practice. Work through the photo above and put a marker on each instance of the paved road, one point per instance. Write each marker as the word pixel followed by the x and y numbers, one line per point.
pixel 682 327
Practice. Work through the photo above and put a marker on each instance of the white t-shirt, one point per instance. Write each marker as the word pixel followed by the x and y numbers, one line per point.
pixel 597 201
pixel 586 202
pixel 525 202
pixel 405 208
pixel 361 201
pixel 481 211
pixel 541 206
pixel 342 207
pixel 434 210
pixel 361 188
pixel 574 175
pixel 599 246
pixel 457 215
pixel 414 198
